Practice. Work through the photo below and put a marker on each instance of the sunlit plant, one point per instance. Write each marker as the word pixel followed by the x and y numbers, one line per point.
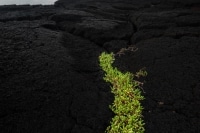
pixel 127 96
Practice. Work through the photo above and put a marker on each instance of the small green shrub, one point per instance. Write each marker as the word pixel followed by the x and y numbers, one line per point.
pixel 127 97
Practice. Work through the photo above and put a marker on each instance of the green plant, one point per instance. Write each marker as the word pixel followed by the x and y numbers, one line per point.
pixel 127 97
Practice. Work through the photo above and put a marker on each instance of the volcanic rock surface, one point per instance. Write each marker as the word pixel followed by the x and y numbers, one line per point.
pixel 50 79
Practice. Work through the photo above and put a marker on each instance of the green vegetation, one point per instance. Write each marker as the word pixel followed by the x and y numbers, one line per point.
pixel 127 97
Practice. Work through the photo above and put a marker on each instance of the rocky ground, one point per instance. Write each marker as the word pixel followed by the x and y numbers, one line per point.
pixel 50 79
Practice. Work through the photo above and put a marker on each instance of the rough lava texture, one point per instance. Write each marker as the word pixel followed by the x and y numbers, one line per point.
pixel 50 79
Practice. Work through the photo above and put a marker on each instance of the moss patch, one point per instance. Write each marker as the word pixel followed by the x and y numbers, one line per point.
pixel 127 97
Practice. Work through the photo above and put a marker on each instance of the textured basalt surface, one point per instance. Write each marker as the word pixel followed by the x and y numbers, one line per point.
pixel 50 79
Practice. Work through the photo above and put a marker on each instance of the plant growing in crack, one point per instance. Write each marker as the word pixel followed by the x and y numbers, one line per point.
pixel 127 96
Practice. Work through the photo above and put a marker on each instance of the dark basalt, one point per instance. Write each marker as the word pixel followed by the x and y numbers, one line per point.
pixel 50 79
